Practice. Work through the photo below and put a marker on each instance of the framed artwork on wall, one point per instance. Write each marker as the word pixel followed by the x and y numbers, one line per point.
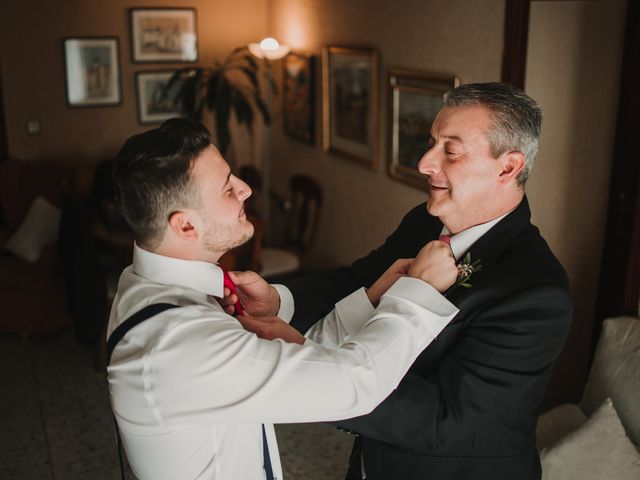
pixel 415 98
pixel 298 96
pixel 92 71
pixel 163 35
pixel 155 103
pixel 349 103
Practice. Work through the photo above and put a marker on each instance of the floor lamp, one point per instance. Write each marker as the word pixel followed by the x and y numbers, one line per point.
pixel 268 50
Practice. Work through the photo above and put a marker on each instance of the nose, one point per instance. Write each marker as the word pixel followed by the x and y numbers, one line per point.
pixel 243 191
pixel 430 163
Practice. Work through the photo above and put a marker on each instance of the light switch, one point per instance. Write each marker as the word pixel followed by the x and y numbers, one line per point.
pixel 33 127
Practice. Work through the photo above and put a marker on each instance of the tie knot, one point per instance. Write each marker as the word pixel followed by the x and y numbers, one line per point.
pixel 226 280
pixel 446 239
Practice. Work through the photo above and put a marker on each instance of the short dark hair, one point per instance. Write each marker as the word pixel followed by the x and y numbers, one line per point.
pixel 152 176
pixel 516 118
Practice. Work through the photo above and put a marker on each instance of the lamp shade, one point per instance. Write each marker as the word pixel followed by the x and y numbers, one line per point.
pixel 269 48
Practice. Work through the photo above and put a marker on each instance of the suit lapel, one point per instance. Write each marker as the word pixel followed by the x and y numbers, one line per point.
pixel 491 246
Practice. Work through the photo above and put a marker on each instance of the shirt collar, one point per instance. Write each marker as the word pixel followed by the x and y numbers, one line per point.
pixel 204 277
pixel 461 242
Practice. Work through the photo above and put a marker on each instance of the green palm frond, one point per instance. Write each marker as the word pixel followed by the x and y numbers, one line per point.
pixel 217 91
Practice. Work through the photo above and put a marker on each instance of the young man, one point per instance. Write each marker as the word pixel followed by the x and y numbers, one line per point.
pixel 468 407
pixel 190 387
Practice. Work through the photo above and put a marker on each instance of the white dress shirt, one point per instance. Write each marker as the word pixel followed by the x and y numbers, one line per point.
pixel 460 242
pixel 190 387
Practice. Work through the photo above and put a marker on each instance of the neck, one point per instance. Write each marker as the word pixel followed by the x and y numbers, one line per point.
pixel 186 250
pixel 484 215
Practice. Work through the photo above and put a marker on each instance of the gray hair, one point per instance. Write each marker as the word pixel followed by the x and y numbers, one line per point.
pixel 516 118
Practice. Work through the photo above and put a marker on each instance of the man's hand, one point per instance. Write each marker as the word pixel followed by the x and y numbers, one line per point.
pixel 435 265
pixel 399 269
pixel 256 296
pixel 271 328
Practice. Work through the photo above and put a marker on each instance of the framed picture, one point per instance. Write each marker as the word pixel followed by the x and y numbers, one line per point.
pixel 298 99
pixel 415 98
pixel 155 103
pixel 92 70
pixel 349 104
pixel 163 35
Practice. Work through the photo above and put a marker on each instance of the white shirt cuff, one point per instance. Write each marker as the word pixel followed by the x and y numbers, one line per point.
pixel 354 311
pixel 423 295
pixel 287 306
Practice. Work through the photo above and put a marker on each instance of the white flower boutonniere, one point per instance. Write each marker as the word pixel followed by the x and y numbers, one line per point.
pixel 466 268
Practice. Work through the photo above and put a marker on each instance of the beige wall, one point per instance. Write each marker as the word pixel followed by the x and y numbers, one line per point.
pixel 573 70
pixel 463 37
pixel 33 80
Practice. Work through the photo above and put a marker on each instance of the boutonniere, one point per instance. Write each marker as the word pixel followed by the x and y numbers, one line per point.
pixel 466 268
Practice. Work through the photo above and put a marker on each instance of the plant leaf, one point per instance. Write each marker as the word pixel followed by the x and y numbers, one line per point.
pixel 243 109
pixel 262 107
pixel 212 89
pixel 223 111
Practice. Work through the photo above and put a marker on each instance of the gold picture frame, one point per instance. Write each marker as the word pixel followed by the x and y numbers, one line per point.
pixel 415 98
pixel 350 103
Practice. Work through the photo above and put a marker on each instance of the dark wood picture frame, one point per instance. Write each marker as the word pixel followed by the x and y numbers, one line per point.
pixel 92 71
pixel 298 88
pixel 163 35
pixel 154 103
pixel 350 103
pixel 415 98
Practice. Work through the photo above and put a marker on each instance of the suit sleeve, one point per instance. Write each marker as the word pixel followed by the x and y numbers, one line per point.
pixel 499 364
pixel 316 294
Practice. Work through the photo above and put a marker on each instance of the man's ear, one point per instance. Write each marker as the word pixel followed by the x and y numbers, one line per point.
pixel 512 164
pixel 183 225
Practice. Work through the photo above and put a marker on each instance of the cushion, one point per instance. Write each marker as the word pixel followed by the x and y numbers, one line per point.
pixel 599 449
pixel 615 373
pixel 556 423
pixel 38 229
pixel 21 181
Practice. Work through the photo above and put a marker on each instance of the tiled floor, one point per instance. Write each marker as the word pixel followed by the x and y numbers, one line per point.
pixel 55 422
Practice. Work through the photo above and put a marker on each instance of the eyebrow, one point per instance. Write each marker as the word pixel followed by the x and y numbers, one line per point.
pixel 448 137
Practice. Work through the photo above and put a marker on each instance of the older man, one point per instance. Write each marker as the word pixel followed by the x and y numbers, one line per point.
pixel 193 392
pixel 467 409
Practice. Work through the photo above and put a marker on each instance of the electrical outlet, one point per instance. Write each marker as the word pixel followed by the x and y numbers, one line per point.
pixel 33 127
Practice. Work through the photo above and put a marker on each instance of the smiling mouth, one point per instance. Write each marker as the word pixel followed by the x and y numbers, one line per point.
pixel 437 187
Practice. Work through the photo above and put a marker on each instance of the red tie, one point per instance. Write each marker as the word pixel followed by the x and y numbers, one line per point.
pixel 239 309
pixel 446 239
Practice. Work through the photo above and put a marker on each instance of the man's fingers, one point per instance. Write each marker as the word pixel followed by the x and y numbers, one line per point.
pixel 243 278
pixel 228 299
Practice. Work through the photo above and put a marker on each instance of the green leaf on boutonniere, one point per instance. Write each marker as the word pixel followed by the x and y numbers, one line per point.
pixel 466 268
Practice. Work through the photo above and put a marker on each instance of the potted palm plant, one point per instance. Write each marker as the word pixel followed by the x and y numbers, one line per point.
pixel 229 86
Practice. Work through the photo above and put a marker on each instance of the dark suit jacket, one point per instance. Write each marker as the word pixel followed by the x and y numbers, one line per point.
pixel 467 409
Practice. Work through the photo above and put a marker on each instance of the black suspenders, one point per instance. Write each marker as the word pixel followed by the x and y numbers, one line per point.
pixel 117 335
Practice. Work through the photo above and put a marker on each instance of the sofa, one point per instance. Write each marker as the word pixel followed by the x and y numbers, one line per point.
pixel 599 438
pixel 32 274
pixel 32 291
